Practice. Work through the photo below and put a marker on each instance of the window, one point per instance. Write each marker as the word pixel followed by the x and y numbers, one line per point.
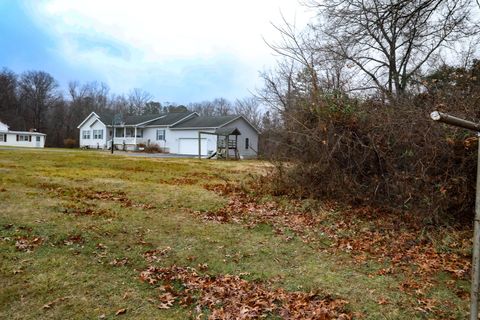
pixel 139 133
pixel 247 143
pixel 38 138
pixel 97 134
pixel 3 137
pixel 129 132
pixel 86 134
pixel 119 132
pixel 23 137
pixel 160 134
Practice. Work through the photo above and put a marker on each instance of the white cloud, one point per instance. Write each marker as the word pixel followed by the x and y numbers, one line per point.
pixel 130 38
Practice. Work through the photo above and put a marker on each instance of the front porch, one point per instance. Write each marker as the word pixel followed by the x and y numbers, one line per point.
pixel 126 138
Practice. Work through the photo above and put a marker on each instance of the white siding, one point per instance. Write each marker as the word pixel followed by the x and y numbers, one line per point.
pixel 150 137
pixel 12 140
pixel 93 124
pixel 246 131
pixel 3 127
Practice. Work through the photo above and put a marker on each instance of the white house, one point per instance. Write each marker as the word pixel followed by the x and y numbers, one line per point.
pixel 175 132
pixel 29 139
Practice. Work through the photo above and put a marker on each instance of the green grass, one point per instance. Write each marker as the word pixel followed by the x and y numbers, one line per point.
pixel 83 273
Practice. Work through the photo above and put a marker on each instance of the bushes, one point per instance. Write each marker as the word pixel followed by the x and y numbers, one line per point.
pixel 69 143
pixel 385 155
pixel 154 148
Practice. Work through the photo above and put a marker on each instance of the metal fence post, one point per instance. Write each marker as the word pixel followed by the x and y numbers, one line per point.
pixel 465 124
pixel 476 246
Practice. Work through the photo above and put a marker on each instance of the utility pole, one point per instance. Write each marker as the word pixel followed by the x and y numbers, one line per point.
pixel 113 131
pixel 115 119
pixel 465 124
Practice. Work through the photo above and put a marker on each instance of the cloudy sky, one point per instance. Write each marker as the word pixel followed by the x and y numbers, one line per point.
pixel 179 51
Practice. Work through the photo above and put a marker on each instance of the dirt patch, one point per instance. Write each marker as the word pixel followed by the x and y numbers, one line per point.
pixel 230 297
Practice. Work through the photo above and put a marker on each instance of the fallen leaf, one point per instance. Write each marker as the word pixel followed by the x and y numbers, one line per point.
pixel 121 311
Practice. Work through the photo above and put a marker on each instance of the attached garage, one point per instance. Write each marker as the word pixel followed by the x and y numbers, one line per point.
pixel 190 146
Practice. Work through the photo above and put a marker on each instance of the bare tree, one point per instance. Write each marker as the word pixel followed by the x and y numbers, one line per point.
pixel 390 41
pixel 9 111
pixel 37 91
pixel 250 108
pixel 138 99
pixel 215 107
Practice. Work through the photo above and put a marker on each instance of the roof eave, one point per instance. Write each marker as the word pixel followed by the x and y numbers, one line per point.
pixel 144 122
pixel 86 119
pixel 246 120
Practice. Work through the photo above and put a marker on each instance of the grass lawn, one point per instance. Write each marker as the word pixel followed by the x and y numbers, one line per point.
pixel 75 227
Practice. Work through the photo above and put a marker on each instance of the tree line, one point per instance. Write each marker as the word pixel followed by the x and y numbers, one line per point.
pixel 34 100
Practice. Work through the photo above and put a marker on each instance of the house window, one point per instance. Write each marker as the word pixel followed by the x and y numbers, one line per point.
pixel 129 132
pixel 38 138
pixel 139 133
pixel 160 134
pixel 119 132
pixel 247 143
pixel 3 138
pixel 22 137
pixel 86 134
pixel 97 134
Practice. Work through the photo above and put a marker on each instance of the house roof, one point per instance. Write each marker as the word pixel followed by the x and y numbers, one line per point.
pixel 228 132
pixel 162 119
pixel 107 118
pixel 170 118
pixel 206 122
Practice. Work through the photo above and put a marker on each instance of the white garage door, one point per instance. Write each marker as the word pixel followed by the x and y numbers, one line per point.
pixel 190 146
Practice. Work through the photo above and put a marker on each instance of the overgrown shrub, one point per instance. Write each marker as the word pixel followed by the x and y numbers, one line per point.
pixel 386 154
pixel 69 143
pixel 154 148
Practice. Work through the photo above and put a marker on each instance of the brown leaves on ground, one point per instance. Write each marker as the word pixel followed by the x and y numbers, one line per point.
pixel 182 181
pixel 81 195
pixel 403 240
pixel 230 297
pixel 120 262
pixel 28 244
pixel 121 311
pixel 399 239
pixel 84 201
pixel 74 239
pixel 156 255
pixel 245 209
pixel 50 304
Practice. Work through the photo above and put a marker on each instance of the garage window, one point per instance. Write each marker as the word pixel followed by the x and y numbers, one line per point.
pixel 160 134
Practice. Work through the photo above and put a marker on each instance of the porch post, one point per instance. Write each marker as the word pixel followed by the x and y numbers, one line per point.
pixel 135 138
pixel 228 146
